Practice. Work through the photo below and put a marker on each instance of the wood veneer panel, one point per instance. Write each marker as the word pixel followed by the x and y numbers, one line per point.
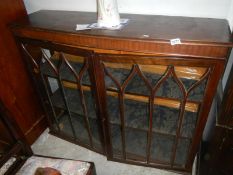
pixel 194 33
pixel 157 27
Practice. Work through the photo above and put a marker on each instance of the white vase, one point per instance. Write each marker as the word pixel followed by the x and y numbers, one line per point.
pixel 108 15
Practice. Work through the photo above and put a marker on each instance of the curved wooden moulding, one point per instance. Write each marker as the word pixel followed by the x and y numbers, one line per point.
pixel 171 103
pixel 194 73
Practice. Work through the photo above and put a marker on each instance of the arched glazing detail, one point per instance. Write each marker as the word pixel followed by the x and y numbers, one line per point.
pixel 79 120
pixel 167 120
pixel 126 112
pixel 152 109
pixel 69 95
pixel 169 89
pixel 149 111
pixel 186 120
pixel 35 57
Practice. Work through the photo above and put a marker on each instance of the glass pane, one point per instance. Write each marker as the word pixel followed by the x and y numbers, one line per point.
pixel 189 124
pixel 57 108
pixel 55 118
pixel 113 110
pixel 153 73
pixel 188 82
pixel 189 75
pixel 182 152
pixel 136 114
pixel 66 73
pixel 115 133
pixel 46 67
pixel 95 130
pixel 135 143
pixel 80 127
pixel 170 89
pixel 165 119
pixel 161 148
pixel 65 125
pixel 74 101
pixel 78 65
pixel 136 85
pixel 197 93
pixel 109 83
pixel 119 72
pixel 53 84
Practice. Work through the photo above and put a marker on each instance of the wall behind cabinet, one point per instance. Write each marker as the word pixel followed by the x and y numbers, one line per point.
pixel 197 8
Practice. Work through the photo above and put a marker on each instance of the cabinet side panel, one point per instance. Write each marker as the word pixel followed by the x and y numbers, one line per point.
pixel 16 91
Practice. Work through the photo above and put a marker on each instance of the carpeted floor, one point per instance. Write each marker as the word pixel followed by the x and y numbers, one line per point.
pixel 50 145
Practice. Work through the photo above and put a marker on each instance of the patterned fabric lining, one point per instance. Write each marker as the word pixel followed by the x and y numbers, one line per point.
pixel 66 167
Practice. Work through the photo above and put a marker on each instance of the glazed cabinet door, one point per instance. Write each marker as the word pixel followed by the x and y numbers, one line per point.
pixel 155 107
pixel 66 84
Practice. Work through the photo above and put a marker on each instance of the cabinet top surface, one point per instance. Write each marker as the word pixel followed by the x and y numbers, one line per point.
pixel 156 27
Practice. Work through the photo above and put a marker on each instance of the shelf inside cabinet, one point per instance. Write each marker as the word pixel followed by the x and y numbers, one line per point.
pixel 173 103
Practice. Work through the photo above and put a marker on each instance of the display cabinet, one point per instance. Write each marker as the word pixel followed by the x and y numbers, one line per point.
pixel 129 93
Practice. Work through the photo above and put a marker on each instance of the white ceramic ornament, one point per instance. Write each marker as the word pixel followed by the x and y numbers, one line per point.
pixel 108 15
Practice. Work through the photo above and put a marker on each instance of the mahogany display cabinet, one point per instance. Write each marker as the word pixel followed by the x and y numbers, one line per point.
pixel 128 94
